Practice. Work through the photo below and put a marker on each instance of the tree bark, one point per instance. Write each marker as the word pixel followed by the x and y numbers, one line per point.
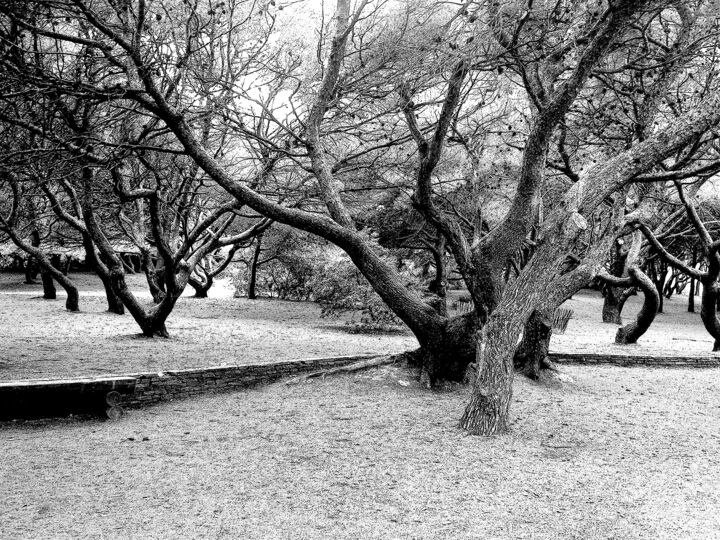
pixel 531 353
pixel 632 332
pixel 201 287
pixel 31 271
pixel 49 292
pixel 658 278
pixel 446 353
pixel 152 276
pixel 691 295
pixel 612 308
pixel 613 303
pixel 488 411
pixel 114 302
pixel 708 306
pixel 253 269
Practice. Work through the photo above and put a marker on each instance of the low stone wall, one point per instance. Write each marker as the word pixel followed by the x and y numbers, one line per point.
pixel 51 398
pixel 630 360
pixel 169 385
pixel 24 399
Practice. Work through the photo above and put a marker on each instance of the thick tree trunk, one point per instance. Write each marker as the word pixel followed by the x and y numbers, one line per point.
pixel 154 327
pixel 613 296
pixel 612 306
pixel 531 353
pixel 446 353
pixel 632 332
pixel 488 411
pixel 438 285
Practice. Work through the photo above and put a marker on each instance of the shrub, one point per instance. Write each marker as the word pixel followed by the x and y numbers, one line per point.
pixel 322 274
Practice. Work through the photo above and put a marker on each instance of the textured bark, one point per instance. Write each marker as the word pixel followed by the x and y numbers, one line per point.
pixel 446 353
pixel 114 302
pixel 612 308
pixel 488 411
pixel 658 277
pixel 612 303
pixel 531 353
pixel 632 332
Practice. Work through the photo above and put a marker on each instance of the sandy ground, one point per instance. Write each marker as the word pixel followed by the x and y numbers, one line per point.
pixel 39 339
pixel 612 453
pixel 673 332
pixel 620 453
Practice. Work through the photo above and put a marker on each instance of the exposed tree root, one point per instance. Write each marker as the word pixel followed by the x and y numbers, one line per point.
pixel 356 366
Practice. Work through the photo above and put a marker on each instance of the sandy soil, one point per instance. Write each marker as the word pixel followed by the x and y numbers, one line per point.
pixel 42 340
pixel 39 339
pixel 616 453
pixel 674 332
pixel 612 453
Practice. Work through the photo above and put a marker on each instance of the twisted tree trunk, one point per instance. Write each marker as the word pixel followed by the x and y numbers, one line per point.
pixel 201 287
pixel 632 332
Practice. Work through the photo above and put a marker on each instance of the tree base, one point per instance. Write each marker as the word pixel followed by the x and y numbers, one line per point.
pixel 160 333
pixel 485 415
